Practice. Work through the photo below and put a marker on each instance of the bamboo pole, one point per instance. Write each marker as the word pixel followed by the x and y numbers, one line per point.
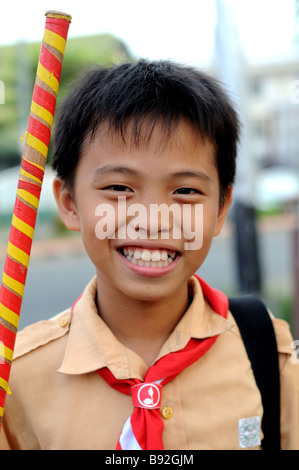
pixel 29 188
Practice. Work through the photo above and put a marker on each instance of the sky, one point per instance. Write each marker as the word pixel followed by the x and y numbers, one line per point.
pixel 181 30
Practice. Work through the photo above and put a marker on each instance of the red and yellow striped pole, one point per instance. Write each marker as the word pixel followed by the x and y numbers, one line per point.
pixel 29 188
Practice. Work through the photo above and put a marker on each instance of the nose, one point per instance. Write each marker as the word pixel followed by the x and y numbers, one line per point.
pixel 154 220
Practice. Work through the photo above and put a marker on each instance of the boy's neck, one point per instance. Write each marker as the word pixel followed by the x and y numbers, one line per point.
pixel 142 326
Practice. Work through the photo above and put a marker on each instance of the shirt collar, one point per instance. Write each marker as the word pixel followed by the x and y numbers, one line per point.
pixel 92 345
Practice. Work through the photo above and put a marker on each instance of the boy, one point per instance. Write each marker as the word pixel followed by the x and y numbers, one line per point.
pixel 149 357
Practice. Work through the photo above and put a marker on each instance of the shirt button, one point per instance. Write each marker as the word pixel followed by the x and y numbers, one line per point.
pixel 166 412
pixel 64 322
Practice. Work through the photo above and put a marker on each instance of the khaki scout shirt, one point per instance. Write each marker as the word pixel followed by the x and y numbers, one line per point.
pixel 58 401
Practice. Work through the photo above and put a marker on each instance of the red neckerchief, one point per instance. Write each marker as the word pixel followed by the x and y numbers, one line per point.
pixel 143 429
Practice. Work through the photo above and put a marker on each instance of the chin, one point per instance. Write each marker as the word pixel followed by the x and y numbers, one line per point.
pixel 153 291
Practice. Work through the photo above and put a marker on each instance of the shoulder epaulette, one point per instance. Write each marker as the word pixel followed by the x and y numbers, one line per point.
pixel 41 333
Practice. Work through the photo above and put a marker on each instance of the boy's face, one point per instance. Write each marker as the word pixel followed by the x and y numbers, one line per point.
pixel 137 252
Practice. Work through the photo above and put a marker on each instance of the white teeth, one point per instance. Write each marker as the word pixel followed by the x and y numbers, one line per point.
pixel 156 256
pixel 146 255
pixel 155 259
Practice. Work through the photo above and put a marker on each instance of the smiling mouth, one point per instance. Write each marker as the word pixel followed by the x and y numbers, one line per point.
pixel 148 258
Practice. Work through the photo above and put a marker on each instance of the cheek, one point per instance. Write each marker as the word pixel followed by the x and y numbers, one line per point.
pixel 88 225
pixel 98 251
pixel 110 220
pixel 198 226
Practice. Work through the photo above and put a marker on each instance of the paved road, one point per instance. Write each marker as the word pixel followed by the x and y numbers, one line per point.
pixel 54 282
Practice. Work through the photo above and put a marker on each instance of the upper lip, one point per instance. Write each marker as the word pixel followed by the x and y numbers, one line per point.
pixel 149 245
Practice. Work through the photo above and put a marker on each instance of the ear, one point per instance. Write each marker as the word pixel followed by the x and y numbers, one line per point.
pixel 66 205
pixel 223 211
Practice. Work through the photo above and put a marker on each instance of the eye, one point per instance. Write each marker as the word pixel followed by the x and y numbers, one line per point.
pixel 118 187
pixel 187 191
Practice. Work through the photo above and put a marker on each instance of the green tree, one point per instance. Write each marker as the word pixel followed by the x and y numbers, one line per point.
pixel 18 64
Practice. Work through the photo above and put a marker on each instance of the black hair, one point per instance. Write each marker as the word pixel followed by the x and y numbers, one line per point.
pixel 143 94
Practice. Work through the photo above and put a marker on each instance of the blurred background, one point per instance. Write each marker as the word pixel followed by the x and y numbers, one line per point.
pixel 252 46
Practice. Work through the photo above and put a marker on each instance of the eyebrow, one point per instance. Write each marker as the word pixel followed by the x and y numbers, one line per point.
pixel 106 169
pixel 115 169
pixel 193 174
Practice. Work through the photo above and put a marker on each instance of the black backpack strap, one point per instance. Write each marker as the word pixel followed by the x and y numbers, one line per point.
pixel 258 335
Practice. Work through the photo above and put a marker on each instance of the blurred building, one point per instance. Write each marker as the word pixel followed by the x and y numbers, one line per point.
pixel 273 114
